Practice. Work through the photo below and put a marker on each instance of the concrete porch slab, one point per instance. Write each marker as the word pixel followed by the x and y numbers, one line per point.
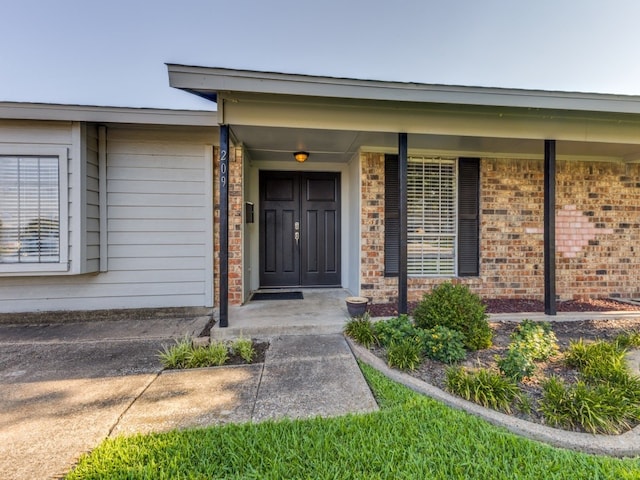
pixel 323 311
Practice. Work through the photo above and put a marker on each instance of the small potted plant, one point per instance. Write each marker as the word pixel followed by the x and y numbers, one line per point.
pixel 357 306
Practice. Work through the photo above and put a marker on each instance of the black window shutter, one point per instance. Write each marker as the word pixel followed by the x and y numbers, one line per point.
pixel 468 217
pixel 391 216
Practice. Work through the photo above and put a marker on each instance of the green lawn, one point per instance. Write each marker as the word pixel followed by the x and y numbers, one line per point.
pixel 410 437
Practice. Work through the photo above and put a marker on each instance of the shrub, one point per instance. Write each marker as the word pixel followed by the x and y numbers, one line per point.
pixel 516 364
pixel 598 361
pixel 455 307
pixel 361 330
pixel 535 339
pixel 443 344
pixel 405 354
pixel 487 388
pixel 217 353
pixel 176 356
pixel 244 348
pixel 394 330
pixel 628 340
pixel 603 408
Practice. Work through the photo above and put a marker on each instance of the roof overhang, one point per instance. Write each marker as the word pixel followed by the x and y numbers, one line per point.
pixel 208 81
pixel 274 114
pixel 80 113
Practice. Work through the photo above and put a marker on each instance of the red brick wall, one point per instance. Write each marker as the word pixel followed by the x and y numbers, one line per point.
pixel 597 230
pixel 235 226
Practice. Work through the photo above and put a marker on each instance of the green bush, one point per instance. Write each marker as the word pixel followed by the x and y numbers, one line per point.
pixel 604 408
pixel 394 330
pixel 244 348
pixel 598 361
pixel 361 330
pixel 628 340
pixel 176 356
pixel 213 355
pixel 482 386
pixel 535 339
pixel 184 355
pixel 606 399
pixel 443 344
pixel 516 364
pixel 455 307
pixel 405 354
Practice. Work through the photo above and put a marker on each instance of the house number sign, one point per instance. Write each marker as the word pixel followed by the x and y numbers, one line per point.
pixel 223 168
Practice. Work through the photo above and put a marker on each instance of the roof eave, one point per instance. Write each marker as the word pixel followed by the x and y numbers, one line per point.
pixel 208 81
pixel 82 113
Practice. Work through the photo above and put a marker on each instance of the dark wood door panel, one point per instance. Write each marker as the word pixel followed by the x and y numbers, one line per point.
pixel 312 200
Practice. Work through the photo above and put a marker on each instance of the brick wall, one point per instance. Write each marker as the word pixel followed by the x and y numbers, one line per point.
pixel 597 230
pixel 235 226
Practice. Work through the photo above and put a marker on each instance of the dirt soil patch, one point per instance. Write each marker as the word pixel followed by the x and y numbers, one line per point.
pixel 434 372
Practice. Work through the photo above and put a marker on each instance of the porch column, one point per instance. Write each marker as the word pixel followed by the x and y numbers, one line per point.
pixel 402 180
pixel 224 226
pixel 550 227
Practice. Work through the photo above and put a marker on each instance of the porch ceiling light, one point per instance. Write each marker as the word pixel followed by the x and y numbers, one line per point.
pixel 301 156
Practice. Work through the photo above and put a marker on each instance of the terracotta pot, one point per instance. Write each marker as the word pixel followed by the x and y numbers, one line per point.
pixel 357 306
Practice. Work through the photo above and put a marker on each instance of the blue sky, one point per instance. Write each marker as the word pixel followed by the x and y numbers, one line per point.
pixel 114 52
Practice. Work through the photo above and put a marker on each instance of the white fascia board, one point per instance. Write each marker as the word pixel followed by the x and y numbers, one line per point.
pixel 80 113
pixel 211 79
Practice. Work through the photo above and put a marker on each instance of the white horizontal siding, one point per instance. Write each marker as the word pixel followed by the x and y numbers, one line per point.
pixel 92 208
pixel 159 209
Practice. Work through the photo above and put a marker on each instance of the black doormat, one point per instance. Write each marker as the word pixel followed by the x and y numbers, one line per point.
pixel 277 296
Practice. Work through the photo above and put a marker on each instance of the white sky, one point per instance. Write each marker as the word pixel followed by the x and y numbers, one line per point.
pixel 113 52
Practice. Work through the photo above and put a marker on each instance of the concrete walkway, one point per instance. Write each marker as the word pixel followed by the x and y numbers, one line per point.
pixel 66 387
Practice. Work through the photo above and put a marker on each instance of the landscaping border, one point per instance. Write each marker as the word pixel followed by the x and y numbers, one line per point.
pixel 623 445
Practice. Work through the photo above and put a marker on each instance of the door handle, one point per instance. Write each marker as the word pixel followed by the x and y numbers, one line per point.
pixel 297 237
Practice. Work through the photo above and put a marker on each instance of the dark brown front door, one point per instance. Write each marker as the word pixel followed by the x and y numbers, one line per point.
pixel 299 229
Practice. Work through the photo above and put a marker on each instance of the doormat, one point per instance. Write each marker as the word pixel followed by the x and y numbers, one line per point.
pixel 277 296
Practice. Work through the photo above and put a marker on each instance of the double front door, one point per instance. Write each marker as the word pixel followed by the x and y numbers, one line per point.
pixel 299 229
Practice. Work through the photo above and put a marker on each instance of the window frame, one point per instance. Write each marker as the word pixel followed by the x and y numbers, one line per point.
pixel 62 153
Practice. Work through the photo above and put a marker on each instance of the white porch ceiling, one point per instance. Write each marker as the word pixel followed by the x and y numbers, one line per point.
pixel 339 146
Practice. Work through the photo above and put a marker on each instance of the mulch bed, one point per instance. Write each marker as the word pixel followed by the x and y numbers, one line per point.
pixel 434 372
pixel 502 305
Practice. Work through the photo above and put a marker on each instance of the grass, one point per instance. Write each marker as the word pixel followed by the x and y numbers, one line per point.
pixel 411 436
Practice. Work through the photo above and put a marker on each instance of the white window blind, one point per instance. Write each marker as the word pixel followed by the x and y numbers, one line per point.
pixel 431 216
pixel 29 209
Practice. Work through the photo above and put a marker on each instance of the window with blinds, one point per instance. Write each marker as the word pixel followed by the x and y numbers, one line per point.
pixel 442 216
pixel 431 216
pixel 29 209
